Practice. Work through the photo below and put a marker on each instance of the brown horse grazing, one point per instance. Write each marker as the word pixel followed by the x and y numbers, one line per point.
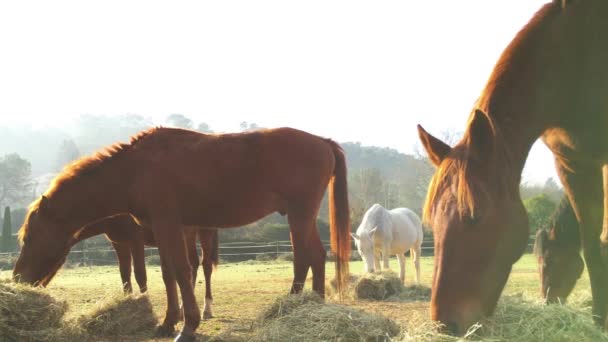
pixel 129 240
pixel 558 254
pixel 167 178
pixel 551 81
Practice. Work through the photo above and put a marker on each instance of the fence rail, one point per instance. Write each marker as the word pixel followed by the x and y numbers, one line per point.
pixel 228 249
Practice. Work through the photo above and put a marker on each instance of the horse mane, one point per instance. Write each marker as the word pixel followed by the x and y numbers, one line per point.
pixel 459 159
pixel 82 167
pixel 562 229
pixel 516 54
pixel 542 236
pixel 87 165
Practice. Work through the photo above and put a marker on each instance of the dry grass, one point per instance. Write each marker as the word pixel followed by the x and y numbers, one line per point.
pixel 120 316
pixel 377 286
pixel 28 313
pixel 306 318
pixel 518 319
pixel 242 290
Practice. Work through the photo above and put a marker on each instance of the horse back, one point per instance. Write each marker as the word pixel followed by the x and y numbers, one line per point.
pixel 237 177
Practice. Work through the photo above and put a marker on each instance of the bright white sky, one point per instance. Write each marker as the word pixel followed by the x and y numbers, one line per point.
pixel 365 71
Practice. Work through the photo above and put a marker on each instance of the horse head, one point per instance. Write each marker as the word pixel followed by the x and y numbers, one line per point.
pixel 365 246
pixel 559 266
pixel 44 246
pixel 479 223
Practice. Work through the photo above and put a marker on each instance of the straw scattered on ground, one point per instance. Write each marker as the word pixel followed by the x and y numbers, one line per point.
pixel 305 318
pixel 29 313
pixel 120 316
pixel 517 319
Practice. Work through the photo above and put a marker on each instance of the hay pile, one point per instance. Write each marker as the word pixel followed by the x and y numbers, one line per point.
pixel 120 316
pixel 28 313
pixel 305 318
pixel 517 319
pixel 377 286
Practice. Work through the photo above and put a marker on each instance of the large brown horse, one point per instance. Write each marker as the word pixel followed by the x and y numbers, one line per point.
pixel 129 240
pixel 168 178
pixel 557 251
pixel 550 82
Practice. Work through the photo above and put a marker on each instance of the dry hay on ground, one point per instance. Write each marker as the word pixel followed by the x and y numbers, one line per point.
pixel 120 316
pixel 384 285
pixel 377 286
pixel 516 319
pixel 305 318
pixel 28 313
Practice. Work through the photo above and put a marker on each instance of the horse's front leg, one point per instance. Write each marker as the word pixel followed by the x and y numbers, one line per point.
pixel 385 257
pixel 377 257
pixel 587 199
pixel 123 253
pixel 401 259
pixel 176 267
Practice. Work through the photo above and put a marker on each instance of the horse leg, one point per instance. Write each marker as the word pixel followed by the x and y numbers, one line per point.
pixel 317 256
pixel 207 271
pixel 176 266
pixel 415 254
pixel 401 259
pixel 190 240
pixel 385 258
pixel 377 257
pixel 587 198
pixel 300 231
pixel 139 265
pixel 123 253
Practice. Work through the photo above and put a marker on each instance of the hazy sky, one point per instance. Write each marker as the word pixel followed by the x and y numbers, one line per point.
pixel 365 71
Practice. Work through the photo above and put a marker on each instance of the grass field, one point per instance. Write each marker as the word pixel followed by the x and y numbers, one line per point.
pixel 242 290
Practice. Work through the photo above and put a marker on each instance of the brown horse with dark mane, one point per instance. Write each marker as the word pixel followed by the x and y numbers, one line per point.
pixel 550 82
pixel 557 251
pixel 129 240
pixel 171 178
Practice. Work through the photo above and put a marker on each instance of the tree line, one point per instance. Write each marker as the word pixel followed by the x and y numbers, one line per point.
pixel 376 174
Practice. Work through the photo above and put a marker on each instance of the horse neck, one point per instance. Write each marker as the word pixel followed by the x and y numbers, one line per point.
pixel 566 229
pixel 92 229
pixel 91 197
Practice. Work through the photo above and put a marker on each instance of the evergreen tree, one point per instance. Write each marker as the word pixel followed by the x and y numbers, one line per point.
pixel 7 235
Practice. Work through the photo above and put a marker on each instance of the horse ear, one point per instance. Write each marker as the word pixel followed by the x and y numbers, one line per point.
pixel 355 236
pixel 43 206
pixel 435 148
pixel 480 130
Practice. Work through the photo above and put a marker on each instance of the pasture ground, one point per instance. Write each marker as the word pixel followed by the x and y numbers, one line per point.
pixel 242 290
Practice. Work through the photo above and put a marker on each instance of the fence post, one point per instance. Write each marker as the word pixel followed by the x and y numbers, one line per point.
pixel 277 242
pixel 83 248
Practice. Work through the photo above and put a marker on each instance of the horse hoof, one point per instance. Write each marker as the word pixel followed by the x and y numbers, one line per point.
pixel 207 315
pixel 164 331
pixel 184 338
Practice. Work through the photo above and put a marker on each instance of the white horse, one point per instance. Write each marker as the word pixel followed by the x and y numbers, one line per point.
pixel 389 232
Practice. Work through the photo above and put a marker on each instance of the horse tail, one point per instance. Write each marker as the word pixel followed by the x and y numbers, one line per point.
pixel 339 217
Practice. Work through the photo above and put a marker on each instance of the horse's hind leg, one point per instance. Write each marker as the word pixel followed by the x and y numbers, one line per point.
pixel 123 253
pixel 307 251
pixel 207 241
pixel 401 259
